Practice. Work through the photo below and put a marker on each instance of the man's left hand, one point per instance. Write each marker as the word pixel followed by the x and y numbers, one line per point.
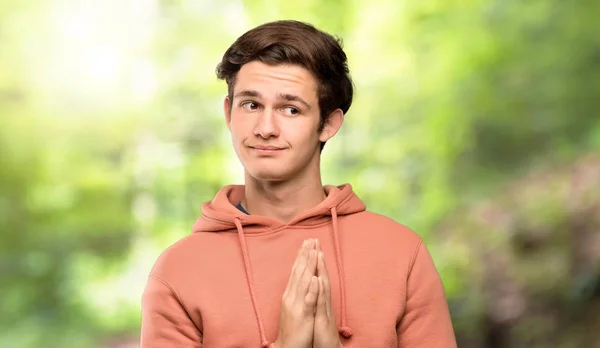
pixel 325 332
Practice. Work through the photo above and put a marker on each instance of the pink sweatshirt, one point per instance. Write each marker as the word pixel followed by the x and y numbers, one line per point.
pixel 222 285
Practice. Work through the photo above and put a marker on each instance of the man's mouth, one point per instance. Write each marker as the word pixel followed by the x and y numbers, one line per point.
pixel 266 148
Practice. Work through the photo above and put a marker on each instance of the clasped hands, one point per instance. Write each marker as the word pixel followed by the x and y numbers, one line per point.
pixel 306 319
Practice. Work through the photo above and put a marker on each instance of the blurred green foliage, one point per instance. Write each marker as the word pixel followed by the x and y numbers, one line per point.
pixel 475 123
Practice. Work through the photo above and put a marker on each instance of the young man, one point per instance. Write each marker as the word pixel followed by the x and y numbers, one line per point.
pixel 283 261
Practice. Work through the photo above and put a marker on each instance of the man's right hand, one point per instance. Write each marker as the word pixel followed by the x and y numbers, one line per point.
pixel 298 305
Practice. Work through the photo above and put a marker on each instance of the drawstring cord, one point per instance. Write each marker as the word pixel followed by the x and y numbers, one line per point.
pixel 343 329
pixel 261 329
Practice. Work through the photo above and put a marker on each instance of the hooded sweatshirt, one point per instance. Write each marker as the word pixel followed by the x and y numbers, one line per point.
pixel 222 285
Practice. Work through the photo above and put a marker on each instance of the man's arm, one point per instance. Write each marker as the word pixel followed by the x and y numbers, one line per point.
pixel 426 322
pixel 165 323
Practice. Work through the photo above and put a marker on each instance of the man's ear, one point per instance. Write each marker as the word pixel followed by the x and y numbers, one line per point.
pixel 227 111
pixel 332 125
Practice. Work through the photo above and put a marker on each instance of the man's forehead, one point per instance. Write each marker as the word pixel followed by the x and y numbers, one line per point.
pixel 272 79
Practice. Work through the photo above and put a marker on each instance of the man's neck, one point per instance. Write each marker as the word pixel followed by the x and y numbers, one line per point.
pixel 282 201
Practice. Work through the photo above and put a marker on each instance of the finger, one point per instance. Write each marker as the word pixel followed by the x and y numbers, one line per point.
pixel 299 281
pixel 297 268
pixel 319 251
pixel 310 300
pixel 324 275
pixel 321 266
pixel 297 261
pixel 309 271
pixel 321 302
pixel 294 266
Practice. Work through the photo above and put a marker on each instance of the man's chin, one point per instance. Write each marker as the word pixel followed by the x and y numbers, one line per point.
pixel 268 175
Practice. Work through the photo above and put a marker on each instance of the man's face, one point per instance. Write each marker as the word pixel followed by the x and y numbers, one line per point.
pixel 274 120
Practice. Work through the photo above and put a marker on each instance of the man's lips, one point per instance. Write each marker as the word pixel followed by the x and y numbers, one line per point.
pixel 265 148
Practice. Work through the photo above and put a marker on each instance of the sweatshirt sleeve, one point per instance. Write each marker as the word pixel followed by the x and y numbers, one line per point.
pixel 165 323
pixel 426 322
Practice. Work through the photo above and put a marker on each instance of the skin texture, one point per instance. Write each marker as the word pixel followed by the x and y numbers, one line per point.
pixel 277 107
pixel 273 118
pixel 299 301
pixel 306 318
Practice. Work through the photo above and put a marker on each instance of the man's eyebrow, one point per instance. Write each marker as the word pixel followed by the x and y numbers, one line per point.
pixel 291 97
pixel 248 93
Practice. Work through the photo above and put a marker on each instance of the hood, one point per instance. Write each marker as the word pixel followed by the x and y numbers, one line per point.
pixel 219 214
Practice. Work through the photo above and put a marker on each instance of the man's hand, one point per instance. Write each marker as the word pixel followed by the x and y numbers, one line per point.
pixel 298 304
pixel 326 333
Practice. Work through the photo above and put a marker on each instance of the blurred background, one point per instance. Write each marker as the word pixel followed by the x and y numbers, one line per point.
pixel 476 123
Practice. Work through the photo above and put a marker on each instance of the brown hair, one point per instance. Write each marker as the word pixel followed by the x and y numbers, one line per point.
pixel 295 42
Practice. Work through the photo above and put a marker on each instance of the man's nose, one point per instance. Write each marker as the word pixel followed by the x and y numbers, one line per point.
pixel 266 124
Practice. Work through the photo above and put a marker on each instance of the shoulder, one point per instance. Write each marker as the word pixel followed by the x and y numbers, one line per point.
pixel 384 228
pixel 383 224
pixel 172 259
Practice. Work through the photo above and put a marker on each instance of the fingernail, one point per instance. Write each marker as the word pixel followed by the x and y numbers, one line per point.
pixel 305 244
pixel 321 255
pixel 312 254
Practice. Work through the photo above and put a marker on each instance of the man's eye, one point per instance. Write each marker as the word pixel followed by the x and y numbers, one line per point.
pixel 250 106
pixel 291 111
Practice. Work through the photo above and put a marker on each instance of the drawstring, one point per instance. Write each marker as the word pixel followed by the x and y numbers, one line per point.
pixel 263 338
pixel 343 329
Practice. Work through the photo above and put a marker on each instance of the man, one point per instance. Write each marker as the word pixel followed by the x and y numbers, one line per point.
pixel 283 261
